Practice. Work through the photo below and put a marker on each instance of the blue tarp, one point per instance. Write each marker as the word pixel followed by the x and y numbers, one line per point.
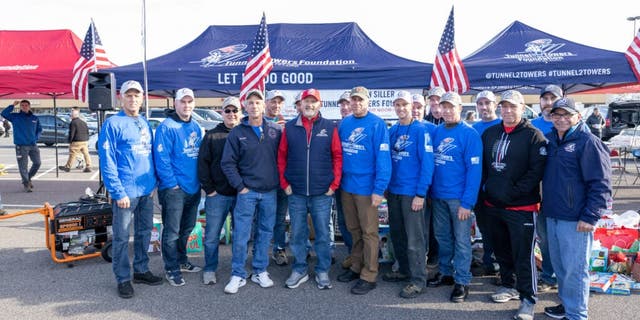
pixel 321 56
pixel 525 58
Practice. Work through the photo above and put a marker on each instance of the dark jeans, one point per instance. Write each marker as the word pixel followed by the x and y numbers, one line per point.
pixel 407 234
pixel 23 154
pixel 342 225
pixel 431 244
pixel 280 228
pixel 547 275
pixel 179 214
pixel 484 224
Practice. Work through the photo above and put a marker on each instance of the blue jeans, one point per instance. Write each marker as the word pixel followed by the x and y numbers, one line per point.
pixel 342 225
pixel 546 275
pixel 454 240
pixel 141 213
pixel 217 208
pixel 23 154
pixel 179 214
pixel 570 251
pixel 319 207
pixel 280 228
pixel 248 204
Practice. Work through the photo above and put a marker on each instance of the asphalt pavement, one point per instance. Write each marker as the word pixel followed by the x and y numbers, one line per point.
pixel 32 286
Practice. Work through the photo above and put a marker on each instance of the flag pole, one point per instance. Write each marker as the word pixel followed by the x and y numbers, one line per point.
pixel 144 58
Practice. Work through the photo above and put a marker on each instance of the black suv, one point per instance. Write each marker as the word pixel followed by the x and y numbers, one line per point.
pixel 48 124
pixel 621 115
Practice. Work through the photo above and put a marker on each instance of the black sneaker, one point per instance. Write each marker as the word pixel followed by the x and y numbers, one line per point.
pixel 147 278
pixel 395 277
pixel 125 290
pixel 556 312
pixel 27 187
pixel 440 280
pixel 459 293
pixel 348 276
pixel 65 169
pixel 363 287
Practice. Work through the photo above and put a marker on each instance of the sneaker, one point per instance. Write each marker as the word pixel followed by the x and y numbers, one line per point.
pixel 188 267
pixel 209 277
pixel 505 294
pixel 322 279
pixel 459 293
pixel 296 279
pixel 546 287
pixel 27 187
pixel 346 263
pixel 363 287
pixel 262 279
pixel 411 291
pixel 87 169
pixel 3 212
pixel 440 280
pixel 395 277
pixel 234 284
pixel 63 168
pixel 280 257
pixel 175 278
pixel 125 290
pixel 147 278
pixel 348 276
pixel 525 312
pixel 556 312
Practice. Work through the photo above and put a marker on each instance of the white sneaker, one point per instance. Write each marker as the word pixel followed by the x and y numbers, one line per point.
pixel 262 279
pixel 209 277
pixel 234 284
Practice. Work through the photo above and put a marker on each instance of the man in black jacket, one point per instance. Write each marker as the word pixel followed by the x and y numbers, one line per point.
pixel 78 137
pixel 221 196
pixel 514 155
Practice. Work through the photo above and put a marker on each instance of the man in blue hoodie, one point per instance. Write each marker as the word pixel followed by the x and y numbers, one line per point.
pixel 366 171
pixel 176 147
pixel 576 187
pixel 26 131
pixel 126 164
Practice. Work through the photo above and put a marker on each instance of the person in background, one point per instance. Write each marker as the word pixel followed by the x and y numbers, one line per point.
pixel 7 128
pixel 456 181
pixel 344 102
pixel 418 107
pixel 249 161
pixel 576 188
pixel 470 117
pixel 365 140
pixel 78 137
pixel 411 174
pixel 27 130
pixel 435 110
pixel 548 96
pixel 126 164
pixel 273 109
pixel 220 195
pixel 596 122
pixel 2 210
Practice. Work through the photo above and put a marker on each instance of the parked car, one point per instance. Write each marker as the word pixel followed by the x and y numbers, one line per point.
pixel 49 123
pixel 160 113
pixel 621 115
pixel 627 138
pixel 208 114
pixel 529 113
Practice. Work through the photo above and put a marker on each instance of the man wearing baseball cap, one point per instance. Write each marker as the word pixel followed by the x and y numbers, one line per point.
pixel 344 102
pixel 575 188
pixel 128 172
pixel 249 161
pixel 176 147
pixel 548 95
pixel 514 155
pixel 435 110
pixel 365 140
pixel 220 195
pixel 456 181
pixel 310 168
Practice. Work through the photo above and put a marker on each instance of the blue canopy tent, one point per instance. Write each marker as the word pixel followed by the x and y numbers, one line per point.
pixel 321 56
pixel 524 58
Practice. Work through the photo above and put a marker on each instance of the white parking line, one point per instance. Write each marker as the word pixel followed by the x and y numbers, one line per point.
pixel 44 173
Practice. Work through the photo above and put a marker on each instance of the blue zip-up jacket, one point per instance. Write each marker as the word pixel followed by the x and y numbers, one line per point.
pixel 251 161
pixel 481 126
pixel 26 126
pixel 542 124
pixel 175 150
pixel 411 159
pixel 366 161
pixel 577 179
pixel 458 164
pixel 126 158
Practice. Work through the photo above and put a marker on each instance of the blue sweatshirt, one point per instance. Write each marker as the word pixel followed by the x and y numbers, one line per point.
pixel 366 161
pixel 126 159
pixel 481 126
pixel 458 164
pixel 175 151
pixel 542 124
pixel 411 159
pixel 26 126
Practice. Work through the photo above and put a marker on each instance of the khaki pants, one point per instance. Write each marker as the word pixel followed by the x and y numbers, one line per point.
pixel 361 219
pixel 75 149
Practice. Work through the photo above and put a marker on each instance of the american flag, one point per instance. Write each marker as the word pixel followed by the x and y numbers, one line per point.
pixel 260 63
pixel 633 55
pixel 92 58
pixel 448 71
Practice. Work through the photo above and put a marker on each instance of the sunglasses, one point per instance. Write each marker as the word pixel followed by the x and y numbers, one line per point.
pixel 230 110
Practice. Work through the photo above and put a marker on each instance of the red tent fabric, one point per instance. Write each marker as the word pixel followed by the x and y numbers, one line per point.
pixel 37 61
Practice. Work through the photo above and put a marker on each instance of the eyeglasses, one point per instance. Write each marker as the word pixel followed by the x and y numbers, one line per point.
pixel 230 110
pixel 557 116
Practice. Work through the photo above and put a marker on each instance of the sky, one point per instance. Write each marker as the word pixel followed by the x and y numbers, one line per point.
pixel 410 29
